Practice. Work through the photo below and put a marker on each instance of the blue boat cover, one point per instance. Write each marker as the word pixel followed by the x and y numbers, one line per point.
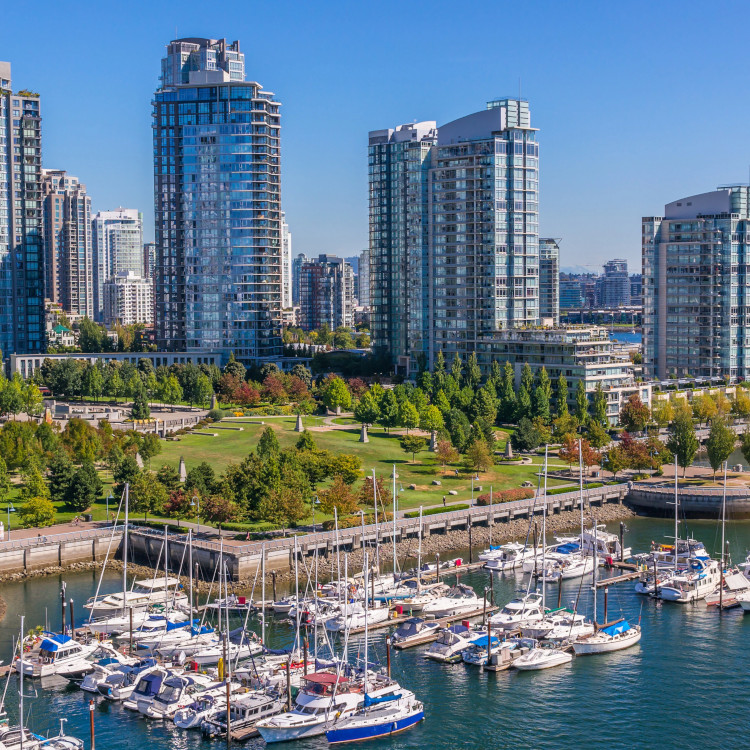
pixel 458 629
pixel 370 701
pixel 566 549
pixel 619 627
pixel 153 683
pixel 495 546
pixel 482 641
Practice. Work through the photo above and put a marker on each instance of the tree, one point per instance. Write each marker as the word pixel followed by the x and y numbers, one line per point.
pixel 720 443
pixel 457 368
pixel 704 408
pixel 616 460
pixel 523 404
pixel 366 411
pixel 598 437
pixel 140 409
pixel 335 395
pixel 125 473
pixel 507 394
pixel 682 441
pixel 412 444
pixel 484 405
pixel 569 450
pixel 235 368
pixel 446 453
pixel 408 416
pixel 634 414
pixel 745 445
pixel 741 404
pixel 36 512
pixel 367 496
pixel 179 505
pixel 542 395
pixel 218 509
pixel 147 494
pixel 61 471
pixel 478 456
pixel 561 396
pixel 582 403
pixel 169 390
pixel 284 507
pixel 599 407
pixel 662 412
pixel 151 446
pixel 340 497
pixel 93 382
pixel 32 397
pixel 305 442
pixel 431 419
pixel 33 484
pixel 201 479
pixel 344 465
pixel 526 437
pixel 472 374
pixel 11 397
pixel 82 439
pixel 203 390
pixel 4 480
pixel 85 486
pixel 169 477
pixel 268 445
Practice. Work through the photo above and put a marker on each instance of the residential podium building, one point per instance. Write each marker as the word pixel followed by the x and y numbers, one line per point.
pixel 613 288
pixel 22 324
pixel 68 245
pixel 696 298
pixel 217 202
pixel 128 299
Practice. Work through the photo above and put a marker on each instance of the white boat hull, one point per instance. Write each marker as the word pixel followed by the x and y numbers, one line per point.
pixel 594 645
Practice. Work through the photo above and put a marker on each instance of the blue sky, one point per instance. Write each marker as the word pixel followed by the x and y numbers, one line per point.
pixel 638 103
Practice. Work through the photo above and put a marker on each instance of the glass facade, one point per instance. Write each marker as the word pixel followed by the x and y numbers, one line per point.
pixel 696 317
pixel 217 204
pixel 21 248
pixel 549 280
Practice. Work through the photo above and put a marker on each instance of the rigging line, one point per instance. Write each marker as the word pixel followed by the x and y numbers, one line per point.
pixel 104 567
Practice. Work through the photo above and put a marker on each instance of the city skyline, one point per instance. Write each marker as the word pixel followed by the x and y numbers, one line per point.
pixel 608 177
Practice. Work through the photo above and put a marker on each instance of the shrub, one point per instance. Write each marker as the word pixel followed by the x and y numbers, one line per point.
pixel 506 496
pixel 216 415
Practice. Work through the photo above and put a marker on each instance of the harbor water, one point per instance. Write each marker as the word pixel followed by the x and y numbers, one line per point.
pixel 686 685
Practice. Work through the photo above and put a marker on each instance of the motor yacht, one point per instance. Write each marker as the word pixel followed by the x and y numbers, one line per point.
pixel 427 593
pixel 354 615
pixel 151 633
pixel 460 600
pixel 415 631
pixel 245 712
pixel 542 657
pixel 523 609
pixel 695 582
pixel 178 691
pixel 142 595
pixel 507 557
pixel 570 627
pixel 147 686
pixel 480 649
pixel 56 653
pixel 241 644
pixel 450 642
pixel 119 685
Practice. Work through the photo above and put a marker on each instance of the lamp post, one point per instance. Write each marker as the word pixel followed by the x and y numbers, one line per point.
pixel 11 509
pixel 196 503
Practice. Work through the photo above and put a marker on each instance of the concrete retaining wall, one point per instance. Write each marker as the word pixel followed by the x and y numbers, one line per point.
pixel 694 501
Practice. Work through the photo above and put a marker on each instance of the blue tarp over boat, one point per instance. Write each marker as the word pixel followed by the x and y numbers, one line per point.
pixel 618 627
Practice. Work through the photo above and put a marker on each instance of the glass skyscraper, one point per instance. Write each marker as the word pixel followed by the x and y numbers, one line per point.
pixel 549 280
pixel 217 189
pixel 454 233
pixel 696 302
pixel 21 248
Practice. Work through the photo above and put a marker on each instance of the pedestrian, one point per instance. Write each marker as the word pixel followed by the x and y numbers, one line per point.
pixel 247 538
pixel 444 501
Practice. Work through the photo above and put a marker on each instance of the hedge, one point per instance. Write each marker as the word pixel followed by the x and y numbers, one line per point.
pixel 506 496
pixel 173 527
pixel 438 509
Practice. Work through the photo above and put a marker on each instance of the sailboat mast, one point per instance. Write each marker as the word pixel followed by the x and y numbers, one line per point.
pixel 580 483
pixel 20 690
pixel 296 593
pixel 595 572
pixel 166 568
pixel 394 520
pixel 125 549
pixel 377 529
pixel 676 515
pixel 366 571
pixel 544 534
pixel 419 552
pixel 190 567
pixel 723 519
pixel 263 593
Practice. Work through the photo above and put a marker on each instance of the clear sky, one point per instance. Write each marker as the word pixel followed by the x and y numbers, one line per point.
pixel 638 103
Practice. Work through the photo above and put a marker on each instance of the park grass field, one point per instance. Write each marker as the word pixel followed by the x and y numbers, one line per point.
pixel 381 453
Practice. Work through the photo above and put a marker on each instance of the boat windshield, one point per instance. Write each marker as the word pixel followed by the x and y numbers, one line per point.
pixel 169 693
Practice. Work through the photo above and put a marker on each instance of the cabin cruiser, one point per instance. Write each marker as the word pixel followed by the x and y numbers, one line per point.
pixel 117 624
pixel 380 717
pixel 542 657
pixel 56 653
pixel 147 686
pixel 102 661
pixel 103 669
pixel 570 627
pixel 506 557
pixel 325 698
pixel 508 651
pixel 451 642
pixel 734 585
pixel 156 628
pixel 426 594
pixel 241 644
pixel 10 739
pixel 233 603
pixel 61 742
pixel 141 596
pixel 523 609
pixel 460 600
pixel 566 565
pixel 119 685
pixel 541 628
pixel 663 555
pixel 606 543
pixel 696 582
pixel 614 636
pixel 414 631
pixel 176 692
pixel 244 714
pixel 185 643
pixel 354 615
pixel 480 649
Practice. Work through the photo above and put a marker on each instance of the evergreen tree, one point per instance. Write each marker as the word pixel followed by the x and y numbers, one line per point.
pixel 507 394
pixel 84 487
pixel 561 397
pixel 268 445
pixel 496 374
pixel 456 368
pixel 61 472
pixel 682 441
pixel 438 373
pixel 600 406
pixel 140 409
pixel 305 442
pixel 388 410
pixel 472 374
pixel 582 404
pixel 484 406
pixel 523 403
pixel 542 395
pixel 527 378
pixel 4 480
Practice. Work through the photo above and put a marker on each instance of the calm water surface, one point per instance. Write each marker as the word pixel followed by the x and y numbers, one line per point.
pixel 686 685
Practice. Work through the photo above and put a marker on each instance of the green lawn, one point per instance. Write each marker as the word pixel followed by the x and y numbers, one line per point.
pixel 381 453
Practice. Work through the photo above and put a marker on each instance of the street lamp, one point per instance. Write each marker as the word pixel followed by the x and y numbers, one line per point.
pixel 109 497
pixel 196 503
pixel 11 509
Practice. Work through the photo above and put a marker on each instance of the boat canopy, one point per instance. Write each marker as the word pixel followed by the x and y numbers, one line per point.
pixel 54 641
pixel 567 548
pixel 157 583
pixel 458 629
pixel 370 701
pixel 616 628
pixel 153 683
pixel 736 582
pixel 482 641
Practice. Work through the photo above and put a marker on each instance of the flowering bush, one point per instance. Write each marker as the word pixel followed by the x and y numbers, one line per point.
pixel 506 496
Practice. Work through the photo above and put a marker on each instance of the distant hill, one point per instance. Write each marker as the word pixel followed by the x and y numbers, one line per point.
pixel 581 269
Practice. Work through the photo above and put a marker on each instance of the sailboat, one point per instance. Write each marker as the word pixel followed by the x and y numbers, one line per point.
pixel 381 715
pixel 612 636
